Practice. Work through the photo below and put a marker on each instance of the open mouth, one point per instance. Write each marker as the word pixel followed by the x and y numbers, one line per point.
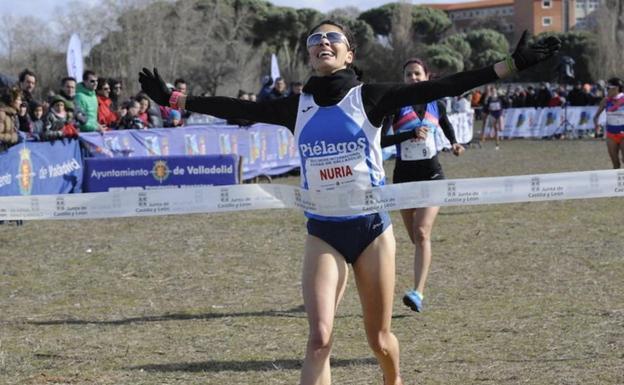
pixel 324 54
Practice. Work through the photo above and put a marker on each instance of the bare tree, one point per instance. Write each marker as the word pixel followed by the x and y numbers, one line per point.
pixel 610 36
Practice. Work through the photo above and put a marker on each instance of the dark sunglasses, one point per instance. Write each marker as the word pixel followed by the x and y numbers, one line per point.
pixel 332 37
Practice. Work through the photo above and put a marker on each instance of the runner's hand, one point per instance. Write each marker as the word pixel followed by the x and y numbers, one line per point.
pixel 154 86
pixel 526 56
pixel 421 133
pixel 457 149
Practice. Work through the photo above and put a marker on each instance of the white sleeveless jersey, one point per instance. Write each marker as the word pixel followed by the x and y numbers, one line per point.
pixel 338 146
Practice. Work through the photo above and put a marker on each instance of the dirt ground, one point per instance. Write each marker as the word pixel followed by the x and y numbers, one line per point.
pixel 527 293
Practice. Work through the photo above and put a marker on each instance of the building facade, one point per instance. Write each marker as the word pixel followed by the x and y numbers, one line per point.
pixel 536 16
pixel 465 15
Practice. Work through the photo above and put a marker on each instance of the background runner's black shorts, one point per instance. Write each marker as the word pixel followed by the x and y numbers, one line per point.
pixel 417 170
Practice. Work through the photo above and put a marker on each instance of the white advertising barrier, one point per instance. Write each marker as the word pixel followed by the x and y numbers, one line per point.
pixel 546 122
pixel 463 123
pixel 134 203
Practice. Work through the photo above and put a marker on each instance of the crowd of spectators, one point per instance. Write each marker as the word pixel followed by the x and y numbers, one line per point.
pixel 542 95
pixel 96 104
pixel 99 104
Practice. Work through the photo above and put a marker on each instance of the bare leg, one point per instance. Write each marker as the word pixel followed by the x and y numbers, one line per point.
pixel 374 275
pixel 622 150
pixel 419 223
pixel 485 120
pixel 498 127
pixel 613 150
pixel 324 279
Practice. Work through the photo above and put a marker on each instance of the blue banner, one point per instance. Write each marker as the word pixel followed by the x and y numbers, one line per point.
pixel 102 174
pixel 39 168
pixel 265 149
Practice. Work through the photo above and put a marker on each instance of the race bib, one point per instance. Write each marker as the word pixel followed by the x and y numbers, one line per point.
pixel 615 118
pixel 336 171
pixel 495 106
pixel 418 149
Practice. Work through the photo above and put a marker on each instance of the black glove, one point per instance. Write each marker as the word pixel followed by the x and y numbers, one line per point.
pixel 154 86
pixel 526 56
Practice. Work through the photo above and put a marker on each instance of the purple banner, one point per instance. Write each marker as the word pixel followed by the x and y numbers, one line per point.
pixel 265 149
pixel 102 174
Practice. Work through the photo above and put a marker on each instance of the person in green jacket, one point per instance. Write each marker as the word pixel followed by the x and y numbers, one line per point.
pixel 86 101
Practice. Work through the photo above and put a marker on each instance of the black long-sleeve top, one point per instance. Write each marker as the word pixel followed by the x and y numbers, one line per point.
pixel 392 139
pixel 379 99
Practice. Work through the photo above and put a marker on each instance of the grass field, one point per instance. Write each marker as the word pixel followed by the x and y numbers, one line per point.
pixel 527 293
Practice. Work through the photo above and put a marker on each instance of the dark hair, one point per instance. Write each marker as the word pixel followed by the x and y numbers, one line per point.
pixel 26 72
pixel 350 38
pixel 113 82
pixel 86 74
pixel 10 94
pixel 128 103
pixel 241 93
pixel 418 61
pixel 347 32
pixel 617 82
pixel 101 83
pixel 178 81
pixel 67 79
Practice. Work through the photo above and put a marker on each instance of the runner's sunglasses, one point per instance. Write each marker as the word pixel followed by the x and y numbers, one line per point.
pixel 332 37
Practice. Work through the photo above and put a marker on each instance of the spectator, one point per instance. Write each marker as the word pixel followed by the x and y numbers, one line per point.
pixel 252 97
pixel 115 93
pixel 556 100
pixel 518 99
pixel 55 120
pixel 68 92
pixel 106 115
pixel 296 88
pixel 86 101
pixel 543 95
pixel 151 117
pixel 475 103
pixel 9 104
pixel 180 85
pixel 27 84
pixel 130 120
pixel 37 120
pixel 279 90
pixel 265 90
pixel 175 119
pixel 577 96
pixel 25 122
pixel 530 99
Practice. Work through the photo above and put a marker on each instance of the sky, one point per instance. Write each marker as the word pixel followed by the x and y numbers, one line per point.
pixel 45 8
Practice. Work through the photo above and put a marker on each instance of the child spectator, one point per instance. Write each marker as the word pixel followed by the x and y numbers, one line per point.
pixel 130 120
pixel 55 120
pixel 175 119
pixel 37 120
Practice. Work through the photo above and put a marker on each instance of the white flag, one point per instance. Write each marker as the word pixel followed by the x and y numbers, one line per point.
pixel 74 58
pixel 275 72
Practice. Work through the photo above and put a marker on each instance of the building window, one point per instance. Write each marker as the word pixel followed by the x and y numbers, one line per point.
pixel 546 3
pixel 546 21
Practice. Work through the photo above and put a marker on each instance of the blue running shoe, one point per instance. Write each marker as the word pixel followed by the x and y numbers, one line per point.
pixel 413 300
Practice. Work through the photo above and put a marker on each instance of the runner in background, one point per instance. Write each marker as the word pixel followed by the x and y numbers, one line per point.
pixel 613 103
pixel 337 122
pixel 493 110
pixel 414 130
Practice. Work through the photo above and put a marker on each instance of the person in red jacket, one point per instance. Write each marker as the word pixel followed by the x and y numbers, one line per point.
pixel 106 116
